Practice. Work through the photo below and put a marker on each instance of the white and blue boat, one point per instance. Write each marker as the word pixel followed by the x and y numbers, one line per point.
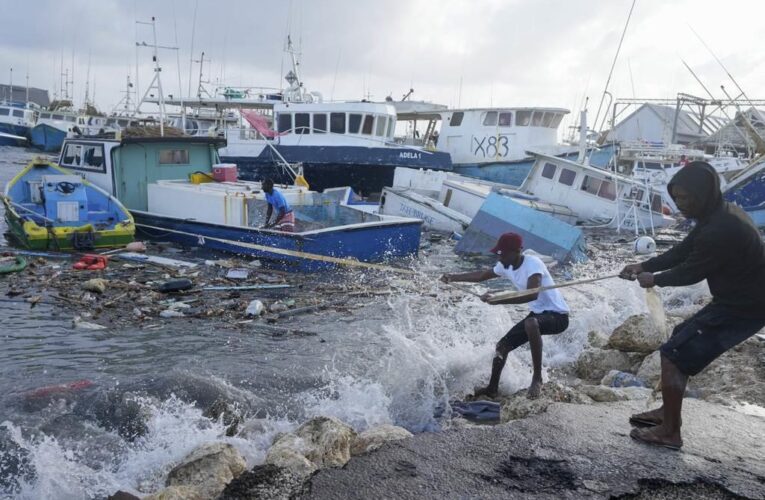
pixel 17 118
pixel 338 143
pixel 165 183
pixel 61 120
pixel 491 143
pixel 747 190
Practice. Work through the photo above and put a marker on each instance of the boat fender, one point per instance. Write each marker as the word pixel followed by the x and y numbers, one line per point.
pixel 645 245
pixel 175 285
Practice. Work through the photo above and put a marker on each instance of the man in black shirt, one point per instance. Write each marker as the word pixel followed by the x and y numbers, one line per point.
pixel 726 249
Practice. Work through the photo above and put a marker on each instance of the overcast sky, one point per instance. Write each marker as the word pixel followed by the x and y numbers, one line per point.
pixel 504 52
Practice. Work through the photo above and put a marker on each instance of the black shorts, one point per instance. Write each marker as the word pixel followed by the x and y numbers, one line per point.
pixel 550 323
pixel 703 337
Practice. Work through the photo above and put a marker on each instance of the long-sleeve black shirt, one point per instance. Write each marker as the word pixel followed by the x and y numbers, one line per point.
pixel 727 250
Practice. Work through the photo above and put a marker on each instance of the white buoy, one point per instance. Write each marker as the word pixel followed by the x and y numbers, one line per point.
pixel 645 245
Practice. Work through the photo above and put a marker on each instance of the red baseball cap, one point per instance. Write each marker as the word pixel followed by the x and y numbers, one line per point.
pixel 508 242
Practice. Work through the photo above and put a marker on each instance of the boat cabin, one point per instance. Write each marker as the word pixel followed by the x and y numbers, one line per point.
pixel 126 167
pixel 485 135
pixel 328 124
pixel 15 118
pixel 596 195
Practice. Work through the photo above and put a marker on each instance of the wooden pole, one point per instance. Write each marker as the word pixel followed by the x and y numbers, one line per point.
pixel 500 296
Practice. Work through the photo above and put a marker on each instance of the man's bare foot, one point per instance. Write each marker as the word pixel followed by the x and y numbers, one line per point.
pixel 535 389
pixel 658 436
pixel 652 417
pixel 489 392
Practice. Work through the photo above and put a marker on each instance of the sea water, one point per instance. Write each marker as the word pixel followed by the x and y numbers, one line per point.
pixel 397 359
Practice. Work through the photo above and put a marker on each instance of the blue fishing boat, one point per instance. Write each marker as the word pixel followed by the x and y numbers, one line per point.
pixel 47 207
pixel 172 187
pixel 747 190
pixel 47 137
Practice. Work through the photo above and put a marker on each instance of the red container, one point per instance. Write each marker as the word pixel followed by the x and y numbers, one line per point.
pixel 225 172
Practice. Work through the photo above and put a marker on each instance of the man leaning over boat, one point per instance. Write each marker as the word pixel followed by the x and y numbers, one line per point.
pixel 285 217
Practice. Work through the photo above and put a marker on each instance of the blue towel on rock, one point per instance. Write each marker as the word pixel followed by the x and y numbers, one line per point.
pixel 477 411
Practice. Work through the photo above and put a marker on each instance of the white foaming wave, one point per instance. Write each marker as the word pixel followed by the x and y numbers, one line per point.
pixel 360 403
pixel 434 349
pixel 175 428
pixel 58 472
pixel 440 344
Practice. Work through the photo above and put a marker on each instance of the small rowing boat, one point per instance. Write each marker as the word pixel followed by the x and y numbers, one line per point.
pixel 50 208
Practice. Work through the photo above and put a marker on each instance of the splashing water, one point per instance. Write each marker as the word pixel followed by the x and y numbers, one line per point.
pixel 396 360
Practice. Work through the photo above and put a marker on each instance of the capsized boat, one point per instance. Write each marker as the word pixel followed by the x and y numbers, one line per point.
pixel 49 207
pixel 747 190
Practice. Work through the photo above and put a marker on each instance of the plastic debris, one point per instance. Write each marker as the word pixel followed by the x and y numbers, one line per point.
pixel 96 285
pixel 278 307
pixel 136 246
pixel 91 262
pixel 255 308
pixel 175 285
pixel 171 313
pixel 84 325
pixel 153 259
pixel 237 273
pixel 615 378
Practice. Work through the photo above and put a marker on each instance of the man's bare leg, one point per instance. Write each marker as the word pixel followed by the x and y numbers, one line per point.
pixel 535 343
pixel 667 433
pixel 497 364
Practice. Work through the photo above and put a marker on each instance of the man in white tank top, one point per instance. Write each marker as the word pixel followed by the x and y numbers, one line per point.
pixel 548 316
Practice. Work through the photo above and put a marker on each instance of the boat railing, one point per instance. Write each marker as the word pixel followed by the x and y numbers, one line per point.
pixel 248 133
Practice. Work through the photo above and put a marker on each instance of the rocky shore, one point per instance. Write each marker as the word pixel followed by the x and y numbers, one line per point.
pixel 572 442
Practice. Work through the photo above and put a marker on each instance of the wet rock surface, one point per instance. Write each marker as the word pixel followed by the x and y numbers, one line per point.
pixel 374 438
pixel 570 451
pixel 594 363
pixel 264 482
pixel 208 469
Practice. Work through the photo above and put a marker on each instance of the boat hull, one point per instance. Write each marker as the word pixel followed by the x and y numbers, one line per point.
pixel 366 170
pixel 47 138
pixel 31 236
pixel 357 241
pixel 20 130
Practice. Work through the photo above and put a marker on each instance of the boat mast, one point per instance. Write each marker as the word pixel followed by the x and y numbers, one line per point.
pixel 156 82
pixel 611 72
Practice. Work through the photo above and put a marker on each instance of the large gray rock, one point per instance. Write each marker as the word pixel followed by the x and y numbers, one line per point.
pixel 603 394
pixel 637 334
pixel 650 369
pixel 287 453
pixel 372 439
pixel 518 406
pixel 264 482
pixel 569 452
pixel 208 469
pixel 593 364
pixel 178 493
pixel 322 442
pixel 596 338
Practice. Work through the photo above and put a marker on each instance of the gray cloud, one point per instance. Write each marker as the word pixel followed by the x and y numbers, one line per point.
pixel 544 52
